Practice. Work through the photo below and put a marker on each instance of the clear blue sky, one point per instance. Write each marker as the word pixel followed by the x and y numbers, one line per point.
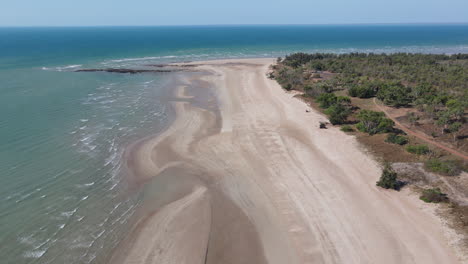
pixel 208 12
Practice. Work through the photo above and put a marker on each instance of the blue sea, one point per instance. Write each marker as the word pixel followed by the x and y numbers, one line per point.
pixel 64 195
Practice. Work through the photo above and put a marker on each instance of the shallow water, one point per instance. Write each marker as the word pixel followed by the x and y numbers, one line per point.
pixel 64 197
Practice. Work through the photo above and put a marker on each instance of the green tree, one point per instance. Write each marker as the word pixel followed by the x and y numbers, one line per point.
pixel 455 108
pixel 443 120
pixel 373 122
pixel 395 94
pixel 454 129
pixel 338 113
pixel 326 100
pixel 389 179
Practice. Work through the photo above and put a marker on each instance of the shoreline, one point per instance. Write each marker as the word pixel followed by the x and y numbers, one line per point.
pixel 258 176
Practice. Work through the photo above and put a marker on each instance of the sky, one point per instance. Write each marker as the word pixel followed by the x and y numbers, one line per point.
pixel 220 12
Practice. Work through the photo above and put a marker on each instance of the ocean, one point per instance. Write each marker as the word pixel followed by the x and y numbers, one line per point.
pixel 64 194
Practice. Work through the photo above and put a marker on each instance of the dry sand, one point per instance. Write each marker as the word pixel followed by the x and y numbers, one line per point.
pixel 257 181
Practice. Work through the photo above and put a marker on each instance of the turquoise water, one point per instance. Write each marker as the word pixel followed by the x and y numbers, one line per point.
pixel 64 198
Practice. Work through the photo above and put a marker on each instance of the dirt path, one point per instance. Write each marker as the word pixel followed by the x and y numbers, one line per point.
pixel 420 135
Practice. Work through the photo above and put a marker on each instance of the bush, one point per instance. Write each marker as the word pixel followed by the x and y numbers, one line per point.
pixel 318 88
pixel 396 139
pixel 374 122
pixel 287 86
pixel 433 196
pixel 395 94
pixel 418 149
pixel 347 128
pixel 366 90
pixel 444 167
pixel 389 179
pixel 338 113
pixel 343 100
pixel 326 100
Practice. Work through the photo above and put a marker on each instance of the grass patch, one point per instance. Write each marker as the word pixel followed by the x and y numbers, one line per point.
pixel 347 128
pixel 396 139
pixel 444 167
pixel 418 149
pixel 433 196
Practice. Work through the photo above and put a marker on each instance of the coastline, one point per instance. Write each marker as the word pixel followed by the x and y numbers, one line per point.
pixel 251 179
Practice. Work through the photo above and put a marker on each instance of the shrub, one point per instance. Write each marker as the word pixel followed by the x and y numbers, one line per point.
pixel 287 87
pixel 347 128
pixel 361 92
pixel 316 89
pixel 337 113
pixel 326 100
pixel 395 94
pixel 444 167
pixel 389 179
pixel 365 90
pixel 418 149
pixel 343 100
pixel 433 196
pixel 396 139
pixel 374 122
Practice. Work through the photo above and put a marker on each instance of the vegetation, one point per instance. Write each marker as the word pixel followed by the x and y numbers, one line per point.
pixel 395 94
pixel 434 84
pixel 326 100
pixel 418 149
pixel 444 167
pixel 363 88
pixel 433 196
pixel 396 139
pixel 337 107
pixel 338 113
pixel 429 70
pixel 373 122
pixel 347 128
pixel 389 179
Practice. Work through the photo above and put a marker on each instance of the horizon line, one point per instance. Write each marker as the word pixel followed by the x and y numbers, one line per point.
pixel 207 25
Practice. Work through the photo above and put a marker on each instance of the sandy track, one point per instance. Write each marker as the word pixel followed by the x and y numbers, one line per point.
pixel 275 187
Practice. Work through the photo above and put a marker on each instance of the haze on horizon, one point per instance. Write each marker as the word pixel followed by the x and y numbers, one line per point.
pixel 212 12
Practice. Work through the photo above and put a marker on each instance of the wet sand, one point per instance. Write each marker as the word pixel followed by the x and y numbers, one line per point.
pixel 244 175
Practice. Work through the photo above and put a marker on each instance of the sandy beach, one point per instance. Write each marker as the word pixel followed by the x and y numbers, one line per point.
pixel 246 176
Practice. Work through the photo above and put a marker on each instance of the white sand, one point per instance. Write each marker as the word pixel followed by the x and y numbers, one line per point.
pixel 274 188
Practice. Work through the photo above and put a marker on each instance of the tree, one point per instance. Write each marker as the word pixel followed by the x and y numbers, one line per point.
pixel 326 100
pixel 454 128
pixel 443 120
pixel 455 108
pixel 389 179
pixel 374 122
pixel 338 113
pixel 366 89
pixel 395 94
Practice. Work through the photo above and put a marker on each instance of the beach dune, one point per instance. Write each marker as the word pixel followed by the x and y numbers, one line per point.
pixel 248 177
